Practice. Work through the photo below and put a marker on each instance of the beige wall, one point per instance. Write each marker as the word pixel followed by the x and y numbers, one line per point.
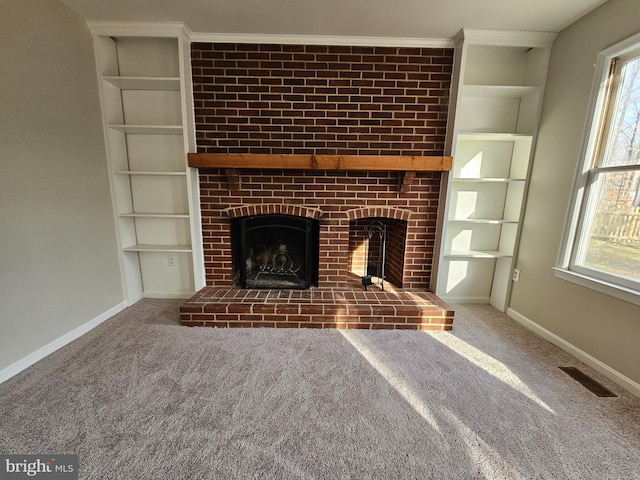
pixel 603 327
pixel 58 256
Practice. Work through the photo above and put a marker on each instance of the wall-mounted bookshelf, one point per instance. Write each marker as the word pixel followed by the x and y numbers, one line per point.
pixel 145 86
pixel 500 84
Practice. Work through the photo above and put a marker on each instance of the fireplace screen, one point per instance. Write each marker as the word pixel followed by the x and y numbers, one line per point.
pixel 275 251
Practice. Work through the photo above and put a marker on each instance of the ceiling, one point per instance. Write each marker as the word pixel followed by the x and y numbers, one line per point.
pixel 363 18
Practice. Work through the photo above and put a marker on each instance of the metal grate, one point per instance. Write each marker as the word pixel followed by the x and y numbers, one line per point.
pixel 588 382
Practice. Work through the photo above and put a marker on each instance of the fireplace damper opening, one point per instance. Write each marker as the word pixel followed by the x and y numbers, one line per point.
pixel 275 251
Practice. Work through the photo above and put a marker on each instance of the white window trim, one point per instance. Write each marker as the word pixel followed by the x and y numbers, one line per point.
pixel 611 289
pixel 563 269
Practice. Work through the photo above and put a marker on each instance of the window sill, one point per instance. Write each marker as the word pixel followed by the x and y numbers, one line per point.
pixel 613 290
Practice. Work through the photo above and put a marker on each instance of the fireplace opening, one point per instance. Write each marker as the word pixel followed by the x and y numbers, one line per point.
pixel 275 251
pixel 381 257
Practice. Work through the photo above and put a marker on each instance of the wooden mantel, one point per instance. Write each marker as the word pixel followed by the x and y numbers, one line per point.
pixel 321 162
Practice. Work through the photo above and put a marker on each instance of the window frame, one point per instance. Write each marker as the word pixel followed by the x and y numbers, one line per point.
pixel 589 167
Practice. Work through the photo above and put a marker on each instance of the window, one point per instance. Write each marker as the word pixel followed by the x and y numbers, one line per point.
pixel 602 239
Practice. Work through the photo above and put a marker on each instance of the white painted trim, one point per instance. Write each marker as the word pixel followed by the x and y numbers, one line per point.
pixel 139 29
pixel 611 289
pixel 60 342
pixel 286 39
pixel 613 375
pixel 508 38
pixel 622 47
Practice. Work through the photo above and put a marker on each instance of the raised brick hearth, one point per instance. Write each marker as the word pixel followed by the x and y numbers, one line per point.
pixel 348 307
pixel 322 100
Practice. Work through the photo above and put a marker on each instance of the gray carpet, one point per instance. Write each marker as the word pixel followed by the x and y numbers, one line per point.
pixel 141 397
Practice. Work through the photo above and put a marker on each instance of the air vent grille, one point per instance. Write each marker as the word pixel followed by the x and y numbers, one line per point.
pixel 588 382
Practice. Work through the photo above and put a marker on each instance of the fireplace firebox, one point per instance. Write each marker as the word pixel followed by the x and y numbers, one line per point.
pixel 275 251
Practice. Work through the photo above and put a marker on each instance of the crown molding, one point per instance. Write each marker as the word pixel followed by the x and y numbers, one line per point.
pixel 466 35
pixel 178 29
pixel 286 39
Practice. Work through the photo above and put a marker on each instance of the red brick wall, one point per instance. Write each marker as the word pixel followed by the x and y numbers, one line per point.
pixel 320 99
pixel 396 237
pixel 343 197
pixel 285 99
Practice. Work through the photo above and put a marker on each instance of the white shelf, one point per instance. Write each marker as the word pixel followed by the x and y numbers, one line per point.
pixel 480 254
pixel 489 180
pixel 161 174
pixel 499 91
pixel 496 117
pixel 148 129
pixel 140 80
pixel 158 248
pixel 154 215
pixel 495 137
pixel 144 83
pixel 482 221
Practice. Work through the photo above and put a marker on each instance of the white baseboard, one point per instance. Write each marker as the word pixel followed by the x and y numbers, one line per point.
pixel 613 375
pixel 60 342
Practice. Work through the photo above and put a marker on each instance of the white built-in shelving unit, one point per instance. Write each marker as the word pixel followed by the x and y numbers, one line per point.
pixel 146 96
pixel 497 97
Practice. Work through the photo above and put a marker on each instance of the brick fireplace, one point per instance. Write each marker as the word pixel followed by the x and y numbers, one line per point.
pixel 340 135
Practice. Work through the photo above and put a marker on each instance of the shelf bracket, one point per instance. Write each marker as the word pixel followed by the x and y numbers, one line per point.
pixel 405 181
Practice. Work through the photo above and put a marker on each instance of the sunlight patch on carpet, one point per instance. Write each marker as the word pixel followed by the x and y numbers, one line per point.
pixel 489 364
pixel 393 378
pixel 489 462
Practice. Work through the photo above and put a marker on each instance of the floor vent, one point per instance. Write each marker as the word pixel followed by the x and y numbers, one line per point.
pixel 588 382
